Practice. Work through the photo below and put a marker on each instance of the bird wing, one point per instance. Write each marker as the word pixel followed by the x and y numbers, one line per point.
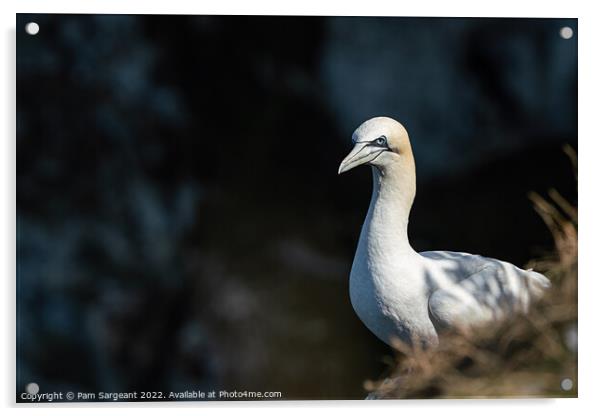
pixel 479 290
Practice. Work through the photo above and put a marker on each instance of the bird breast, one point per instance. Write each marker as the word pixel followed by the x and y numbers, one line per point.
pixel 388 298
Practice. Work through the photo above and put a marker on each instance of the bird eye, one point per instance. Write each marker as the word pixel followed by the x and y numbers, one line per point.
pixel 381 141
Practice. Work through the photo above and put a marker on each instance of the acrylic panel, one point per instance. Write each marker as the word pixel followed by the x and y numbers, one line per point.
pixel 183 232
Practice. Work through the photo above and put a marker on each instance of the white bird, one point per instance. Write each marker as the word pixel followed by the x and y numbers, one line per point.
pixel 399 293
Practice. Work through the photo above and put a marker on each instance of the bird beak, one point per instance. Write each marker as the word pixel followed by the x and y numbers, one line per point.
pixel 361 154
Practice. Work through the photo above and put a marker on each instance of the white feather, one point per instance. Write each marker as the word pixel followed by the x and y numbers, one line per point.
pixel 399 293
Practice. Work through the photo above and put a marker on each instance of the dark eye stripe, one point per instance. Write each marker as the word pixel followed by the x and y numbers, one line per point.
pixel 379 141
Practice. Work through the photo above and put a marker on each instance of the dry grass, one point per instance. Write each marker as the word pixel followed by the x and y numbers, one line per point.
pixel 526 357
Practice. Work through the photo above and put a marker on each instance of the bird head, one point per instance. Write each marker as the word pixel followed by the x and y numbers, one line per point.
pixel 380 142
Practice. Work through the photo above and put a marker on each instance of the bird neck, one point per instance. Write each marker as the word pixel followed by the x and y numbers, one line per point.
pixel 393 192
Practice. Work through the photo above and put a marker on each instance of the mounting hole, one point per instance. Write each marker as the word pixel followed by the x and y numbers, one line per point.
pixel 32 388
pixel 566 32
pixel 566 384
pixel 32 28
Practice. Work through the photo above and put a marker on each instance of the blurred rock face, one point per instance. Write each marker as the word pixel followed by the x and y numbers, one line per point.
pixel 180 223
pixel 464 88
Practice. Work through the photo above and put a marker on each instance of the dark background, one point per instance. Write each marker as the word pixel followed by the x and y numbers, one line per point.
pixel 180 222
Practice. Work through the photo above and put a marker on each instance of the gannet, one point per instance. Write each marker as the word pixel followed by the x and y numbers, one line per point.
pixel 401 294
